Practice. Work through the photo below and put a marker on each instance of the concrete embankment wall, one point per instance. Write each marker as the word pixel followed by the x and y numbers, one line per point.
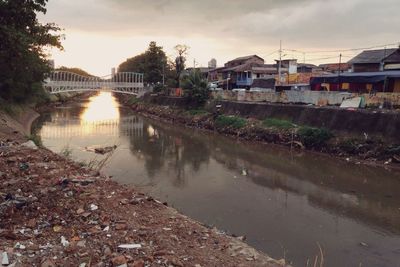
pixel 307 97
pixel 20 122
pixel 379 123
pixel 355 122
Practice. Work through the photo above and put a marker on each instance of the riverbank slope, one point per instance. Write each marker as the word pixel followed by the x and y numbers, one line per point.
pixel 357 148
pixel 55 212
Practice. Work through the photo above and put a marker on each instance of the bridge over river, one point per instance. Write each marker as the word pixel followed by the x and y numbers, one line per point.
pixel 122 82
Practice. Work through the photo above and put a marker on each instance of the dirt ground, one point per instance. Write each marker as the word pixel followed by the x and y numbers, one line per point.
pixel 54 212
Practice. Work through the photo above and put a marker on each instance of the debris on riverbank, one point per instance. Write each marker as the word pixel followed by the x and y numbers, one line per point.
pixel 54 212
pixel 361 149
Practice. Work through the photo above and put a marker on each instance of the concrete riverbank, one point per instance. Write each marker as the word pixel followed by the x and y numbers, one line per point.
pixel 340 133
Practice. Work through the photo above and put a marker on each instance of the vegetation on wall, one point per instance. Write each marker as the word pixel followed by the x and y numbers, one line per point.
pixel 23 44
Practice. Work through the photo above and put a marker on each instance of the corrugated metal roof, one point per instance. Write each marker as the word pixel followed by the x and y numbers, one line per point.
pixel 372 56
pixel 245 58
pixel 390 73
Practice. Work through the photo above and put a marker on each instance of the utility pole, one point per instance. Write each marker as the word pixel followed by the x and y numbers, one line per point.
pixel 280 62
pixel 340 70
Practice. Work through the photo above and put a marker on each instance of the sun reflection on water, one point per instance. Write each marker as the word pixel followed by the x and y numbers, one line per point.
pixel 102 107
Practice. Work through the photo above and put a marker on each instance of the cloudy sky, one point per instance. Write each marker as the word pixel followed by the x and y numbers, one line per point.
pixel 100 34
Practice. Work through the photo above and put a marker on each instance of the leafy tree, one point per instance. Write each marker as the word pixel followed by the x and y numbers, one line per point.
pixel 195 88
pixel 153 63
pixel 23 43
pixel 180 61
pixel 76 71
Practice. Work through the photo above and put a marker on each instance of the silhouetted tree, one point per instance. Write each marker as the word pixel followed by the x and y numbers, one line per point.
pixel 153 63
pixel 180 61
pixel 23 60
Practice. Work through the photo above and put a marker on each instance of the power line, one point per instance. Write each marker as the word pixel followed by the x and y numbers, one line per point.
pixel 342 50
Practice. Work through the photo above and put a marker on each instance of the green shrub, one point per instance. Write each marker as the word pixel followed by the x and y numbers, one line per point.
pixel 230 121
pixel 314 137
pixel 195 88
pixel 195 112
pixel 277 123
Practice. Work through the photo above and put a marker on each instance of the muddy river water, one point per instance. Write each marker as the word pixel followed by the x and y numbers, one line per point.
pixel 286 204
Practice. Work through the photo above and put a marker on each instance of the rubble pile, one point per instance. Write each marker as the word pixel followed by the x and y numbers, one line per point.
pixel 54 212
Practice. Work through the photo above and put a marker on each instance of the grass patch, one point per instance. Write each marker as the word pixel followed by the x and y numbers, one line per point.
pixel 133 100
pixel 277 123
pixel 230 121
pixel 314 137
pixel 66 152
pixel 196 112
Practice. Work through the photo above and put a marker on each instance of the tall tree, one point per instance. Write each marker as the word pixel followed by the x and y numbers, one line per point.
pixel 153 63
pixel 180 60
pixel 23 40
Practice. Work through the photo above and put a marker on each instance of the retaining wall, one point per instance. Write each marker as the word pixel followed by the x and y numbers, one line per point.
pixel 321 98
pixel 358 122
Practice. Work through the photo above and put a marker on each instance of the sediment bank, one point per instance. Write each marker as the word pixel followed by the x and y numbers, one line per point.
pixel 55 212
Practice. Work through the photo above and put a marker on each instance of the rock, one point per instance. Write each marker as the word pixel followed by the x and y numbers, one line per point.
pixel 119 260
pixel 107 251
pixel 124 201
pixel 30 144
pixel 138 263
pixel 80 211
pixel 81 244
pixel 93 207
pixel 48 263
pixel 120 226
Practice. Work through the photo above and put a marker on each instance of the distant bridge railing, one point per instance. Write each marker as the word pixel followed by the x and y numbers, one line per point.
pixel 121 82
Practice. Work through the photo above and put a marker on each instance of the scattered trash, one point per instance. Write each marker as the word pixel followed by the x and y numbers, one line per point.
pixel 351 103
pixel 4 259
pixel 104 150
pixel 57 228
pixel 24 166
pixel 20 246
pixel 64 241
pixel 363 244
pixel 93 207
pixel 106 229
pixel 244 172
pixel 130 246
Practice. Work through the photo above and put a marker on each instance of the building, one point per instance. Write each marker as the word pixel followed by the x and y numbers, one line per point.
pixel 376 60
pixel 212 64
pixel 289 64
pixel 358 82
pixel 51 64
pixel 307 68
pixel 243 71
pixel 203 71
pixel 335 67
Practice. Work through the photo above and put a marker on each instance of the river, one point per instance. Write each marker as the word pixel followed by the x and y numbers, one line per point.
pixel 286 204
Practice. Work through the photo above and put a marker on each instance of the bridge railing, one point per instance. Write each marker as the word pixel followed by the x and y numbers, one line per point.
pixel 122 82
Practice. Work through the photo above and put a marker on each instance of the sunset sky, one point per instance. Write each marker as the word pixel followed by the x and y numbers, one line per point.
pixel 100 34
